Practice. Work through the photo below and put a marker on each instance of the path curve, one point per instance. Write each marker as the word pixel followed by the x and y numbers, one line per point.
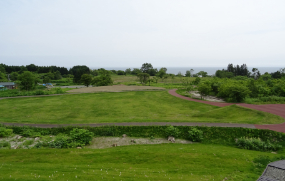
pixel 277 109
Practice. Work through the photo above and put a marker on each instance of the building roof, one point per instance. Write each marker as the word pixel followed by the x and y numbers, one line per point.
pixel 278 164
pixel 7 83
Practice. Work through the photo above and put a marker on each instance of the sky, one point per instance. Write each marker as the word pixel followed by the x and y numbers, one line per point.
pixel 128 33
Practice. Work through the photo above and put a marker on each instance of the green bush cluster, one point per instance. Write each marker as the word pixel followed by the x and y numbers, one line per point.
pixel 17 92
pixel 239 88
pixel 213 135
pixel 172 131
pixel 257 144
pixel 5 132
pixel 195 135
pixel 76 138
pixel 5 144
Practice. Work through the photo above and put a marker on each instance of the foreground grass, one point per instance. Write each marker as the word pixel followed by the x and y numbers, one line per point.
pixel 139 162
pixel 135 106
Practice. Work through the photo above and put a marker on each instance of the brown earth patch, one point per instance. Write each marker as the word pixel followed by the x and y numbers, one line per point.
pixel 116 88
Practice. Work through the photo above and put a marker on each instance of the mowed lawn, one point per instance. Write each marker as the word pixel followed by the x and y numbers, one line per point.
pixel 134 106
pixel 138 162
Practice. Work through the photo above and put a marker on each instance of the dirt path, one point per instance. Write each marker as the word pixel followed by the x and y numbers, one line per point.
pixel 277 109
pixel 135 124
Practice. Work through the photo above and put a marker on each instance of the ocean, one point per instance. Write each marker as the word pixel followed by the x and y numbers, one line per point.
pixel 209 70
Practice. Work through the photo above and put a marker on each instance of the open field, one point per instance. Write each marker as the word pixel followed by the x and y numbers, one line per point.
pixel 114 88
pixel 137 162
pixel 134 106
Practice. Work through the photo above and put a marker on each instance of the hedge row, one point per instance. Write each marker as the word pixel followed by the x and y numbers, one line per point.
pixel 220 135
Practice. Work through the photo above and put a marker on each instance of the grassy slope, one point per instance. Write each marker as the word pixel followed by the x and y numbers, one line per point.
pixel 139 162
pixel 136 106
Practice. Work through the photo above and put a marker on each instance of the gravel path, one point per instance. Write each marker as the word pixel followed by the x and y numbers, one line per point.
pixel 277 109
pixel 136 124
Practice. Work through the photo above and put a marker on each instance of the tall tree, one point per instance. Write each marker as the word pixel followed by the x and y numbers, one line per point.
pixel 27 80
pixel 146 67
pixel 86 79
pixel 78 71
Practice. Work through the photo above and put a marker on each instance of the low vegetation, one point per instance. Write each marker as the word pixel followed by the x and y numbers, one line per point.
pixel 139 162
pixel 40 91
pixel 139 106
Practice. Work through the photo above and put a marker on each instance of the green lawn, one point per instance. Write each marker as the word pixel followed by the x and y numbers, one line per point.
pixel 139 162
pixel 134 106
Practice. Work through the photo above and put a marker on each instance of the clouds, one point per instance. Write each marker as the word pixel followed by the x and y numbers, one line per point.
pixel 128 33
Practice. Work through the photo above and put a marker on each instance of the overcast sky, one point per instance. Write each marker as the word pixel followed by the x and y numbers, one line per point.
pixel 127 33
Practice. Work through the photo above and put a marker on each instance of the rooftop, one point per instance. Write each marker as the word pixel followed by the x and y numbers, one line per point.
pixel 7 83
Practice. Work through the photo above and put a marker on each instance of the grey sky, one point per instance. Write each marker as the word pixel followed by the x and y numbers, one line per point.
pixel 122 33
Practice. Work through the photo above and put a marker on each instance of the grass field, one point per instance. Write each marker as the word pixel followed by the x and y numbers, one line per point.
pixel 139 162
pixel 134 106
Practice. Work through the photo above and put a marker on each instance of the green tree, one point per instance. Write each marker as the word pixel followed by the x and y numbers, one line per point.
pixel 3 77
pixel 78 71
pixel 27 80
pixel 104 78
pixel 69 77
pixel 204 89
pixel 146 67
pixel 202 73
pixel 57 75
pixel 86 79
pixel 46 79
pixel 120 72
pixel 155 79
pixel 50 75
pixel 161 73
pixel 128 71
pixel 14 76
pixel 94 72
pixel 143 77
pixel 188 73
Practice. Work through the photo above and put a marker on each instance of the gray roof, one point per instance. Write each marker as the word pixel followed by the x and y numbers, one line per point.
pixel 278 164
pixel 264 178
pixel 7 83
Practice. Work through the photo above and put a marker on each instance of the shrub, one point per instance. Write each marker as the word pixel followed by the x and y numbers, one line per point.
pixel 41 144
pixel 195 135
pixel 233 92
pixel 172 131
pixel 39 92
pixel 81 136
pixel 28 142
pixel 58 90
pixel 30 133
pixel 60 142
pixel 5 132
pixel 204 89
pixel 5 144
pixel 256 144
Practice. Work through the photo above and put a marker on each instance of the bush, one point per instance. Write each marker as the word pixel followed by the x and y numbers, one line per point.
pixel 195 135
pixel 172 131
pixel 256 144
pixel 233 92
pixel 5 132
pixel 30 133
pixel 204 89
pixel 81 136
pixel 5 144
pixel 60 142
pixel 58 90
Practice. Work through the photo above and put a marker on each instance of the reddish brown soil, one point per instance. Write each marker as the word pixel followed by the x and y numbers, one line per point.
pixel 277 109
